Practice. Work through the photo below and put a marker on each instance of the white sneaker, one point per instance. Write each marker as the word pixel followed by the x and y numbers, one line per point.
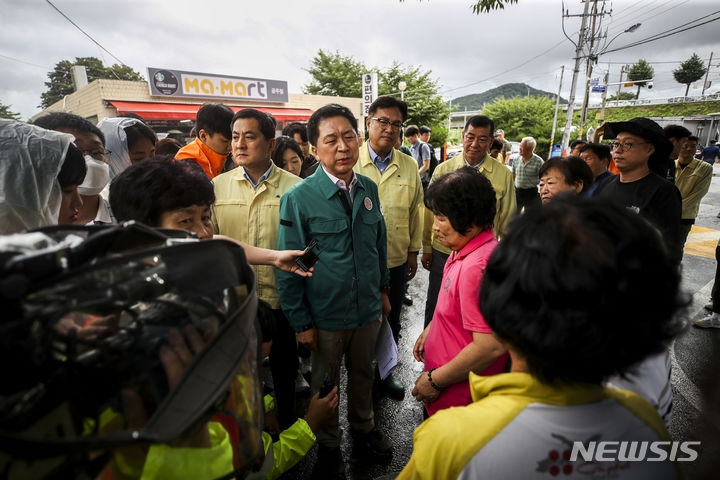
pixel 711 320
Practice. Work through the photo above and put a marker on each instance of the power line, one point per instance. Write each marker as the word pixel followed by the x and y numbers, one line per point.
pixel 26 63
pixel 645 19
pixel 84 32
pixel 667 33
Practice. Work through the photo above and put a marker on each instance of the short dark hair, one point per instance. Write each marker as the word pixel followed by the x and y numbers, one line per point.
pixel 388 102
pixel 328 111
pixel 282 144
pixel 693 138
pixel 600 149
pixel 425 129
pixel 411 130
pixel 73 169
pixel 480 121
pixel 496 144
pixel 581 280
pixel 138 131
pixel 214 118
pixel 465 197
pixel 266 124
pixel 56 120
pixel 577 142
pixel 167 146
pixel 292 128
pixel 713 142
pixel 676 131
pixel 147 189
pixel 573 168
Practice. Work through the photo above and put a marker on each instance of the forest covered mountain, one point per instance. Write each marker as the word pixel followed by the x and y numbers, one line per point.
pixel 476 101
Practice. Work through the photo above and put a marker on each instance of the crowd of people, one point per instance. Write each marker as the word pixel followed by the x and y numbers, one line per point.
pixel 553 285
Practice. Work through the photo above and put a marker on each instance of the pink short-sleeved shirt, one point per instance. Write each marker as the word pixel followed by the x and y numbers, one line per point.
pixel 457 316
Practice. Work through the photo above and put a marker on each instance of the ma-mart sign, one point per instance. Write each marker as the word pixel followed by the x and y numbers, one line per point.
pixel 177 83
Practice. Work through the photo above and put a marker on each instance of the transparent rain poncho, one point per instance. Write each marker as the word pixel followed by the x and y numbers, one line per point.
pixel 116 143
pixel 30 160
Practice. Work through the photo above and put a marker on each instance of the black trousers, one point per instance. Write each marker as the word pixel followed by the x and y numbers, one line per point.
pixel 715 295
pixel 435 280
pixel 284 368
pixel 397 293
pixel 527 197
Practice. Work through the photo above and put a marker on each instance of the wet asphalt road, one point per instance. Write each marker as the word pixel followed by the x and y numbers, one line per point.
pixel 695 376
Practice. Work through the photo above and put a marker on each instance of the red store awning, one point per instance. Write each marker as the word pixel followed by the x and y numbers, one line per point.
pixel 188 111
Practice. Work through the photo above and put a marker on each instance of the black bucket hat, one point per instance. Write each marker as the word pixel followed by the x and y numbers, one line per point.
pixel 645 128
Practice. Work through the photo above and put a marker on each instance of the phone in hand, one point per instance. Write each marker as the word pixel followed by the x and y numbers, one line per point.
pixel 308 259
pixel 326 386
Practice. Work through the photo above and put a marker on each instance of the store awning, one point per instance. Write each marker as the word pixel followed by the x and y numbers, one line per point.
pixel 188 111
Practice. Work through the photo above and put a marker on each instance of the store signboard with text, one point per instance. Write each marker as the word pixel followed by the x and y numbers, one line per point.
pixel 177 83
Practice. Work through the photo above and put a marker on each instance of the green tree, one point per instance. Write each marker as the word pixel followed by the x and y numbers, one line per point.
pixel 642 70
pixel 486 6
pixel 60 82
pixel 623 96
pixel 335 74
pixel 5 112
pixel 524 117
pixel 691 70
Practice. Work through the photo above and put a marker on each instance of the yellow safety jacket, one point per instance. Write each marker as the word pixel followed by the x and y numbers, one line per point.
pixel 693 181
pixel 253 217
pixel 501 179
pixel 401 198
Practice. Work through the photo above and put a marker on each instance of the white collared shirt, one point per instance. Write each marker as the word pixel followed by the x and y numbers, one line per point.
pixel 341 183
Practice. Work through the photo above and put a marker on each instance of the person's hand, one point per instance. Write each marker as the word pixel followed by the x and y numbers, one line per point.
pixel 308 339
pixel 321 409
pixel 411 266
pixel 423 391
pixel 419 349
pixel 272 426
pixel 285 261
pixel 599 133
pixel 426 260
pixel 385 304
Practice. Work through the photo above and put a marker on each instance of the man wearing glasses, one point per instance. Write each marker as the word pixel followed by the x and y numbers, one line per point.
pixel 401 198
pixel 638 143
pixel 91 142
pixel 477 137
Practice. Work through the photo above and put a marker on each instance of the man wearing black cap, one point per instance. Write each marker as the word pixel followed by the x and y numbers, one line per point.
pixel 638 145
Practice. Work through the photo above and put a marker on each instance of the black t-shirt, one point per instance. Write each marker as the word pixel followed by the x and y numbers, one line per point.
pixel 654 199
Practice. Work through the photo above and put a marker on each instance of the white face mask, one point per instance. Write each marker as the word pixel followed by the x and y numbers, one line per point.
pixel 96 178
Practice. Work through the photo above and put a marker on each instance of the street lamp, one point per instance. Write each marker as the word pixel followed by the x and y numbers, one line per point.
pixel 630 29
pixel 402 86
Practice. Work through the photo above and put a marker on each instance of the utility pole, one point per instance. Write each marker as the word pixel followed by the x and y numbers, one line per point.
pixel 590 62
pixel 557 106
pixel 706 74
pixel 576 71
pixel 604 96
pixel 622 70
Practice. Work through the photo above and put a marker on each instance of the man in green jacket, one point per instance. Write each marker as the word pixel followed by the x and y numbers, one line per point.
pixel 337 311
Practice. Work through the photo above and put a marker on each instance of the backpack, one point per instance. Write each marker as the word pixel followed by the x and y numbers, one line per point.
pixel 433 161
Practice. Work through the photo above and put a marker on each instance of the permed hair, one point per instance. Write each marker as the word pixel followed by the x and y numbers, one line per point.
pixel 582 290
pixel 147 189
pixel 465 197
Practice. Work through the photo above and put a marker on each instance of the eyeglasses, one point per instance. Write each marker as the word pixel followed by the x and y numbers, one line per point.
pixel 626 145
pixel 96 154
pixel 385 122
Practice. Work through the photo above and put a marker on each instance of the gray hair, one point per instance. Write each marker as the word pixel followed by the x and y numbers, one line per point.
pixel 530 141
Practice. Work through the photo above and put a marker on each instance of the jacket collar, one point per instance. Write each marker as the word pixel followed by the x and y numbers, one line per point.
pixel 273 179
pixel 476 242
pixel 365 160
pixel 326 186
pixel 525 385
pixel 486 166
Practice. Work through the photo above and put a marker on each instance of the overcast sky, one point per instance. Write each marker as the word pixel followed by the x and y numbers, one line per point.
pixel 277 39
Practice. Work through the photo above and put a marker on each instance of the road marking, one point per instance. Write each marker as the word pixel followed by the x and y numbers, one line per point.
pixel 702 241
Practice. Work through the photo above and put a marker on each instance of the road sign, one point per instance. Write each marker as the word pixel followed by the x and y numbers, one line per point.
pixel 598 89
pixel 594 81
pixel 369 90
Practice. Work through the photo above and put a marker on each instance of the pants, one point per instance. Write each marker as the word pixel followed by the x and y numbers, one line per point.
pixel 436 272
pixel 397 293
pixel 284 368
pixel 358 348
pixel 715 295
pixel 684 232
pixel 527 197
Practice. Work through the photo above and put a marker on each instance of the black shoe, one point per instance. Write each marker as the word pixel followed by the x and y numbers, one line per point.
pixel 407 300
pixel 329 464
pixel 392 387
pixel 372 445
